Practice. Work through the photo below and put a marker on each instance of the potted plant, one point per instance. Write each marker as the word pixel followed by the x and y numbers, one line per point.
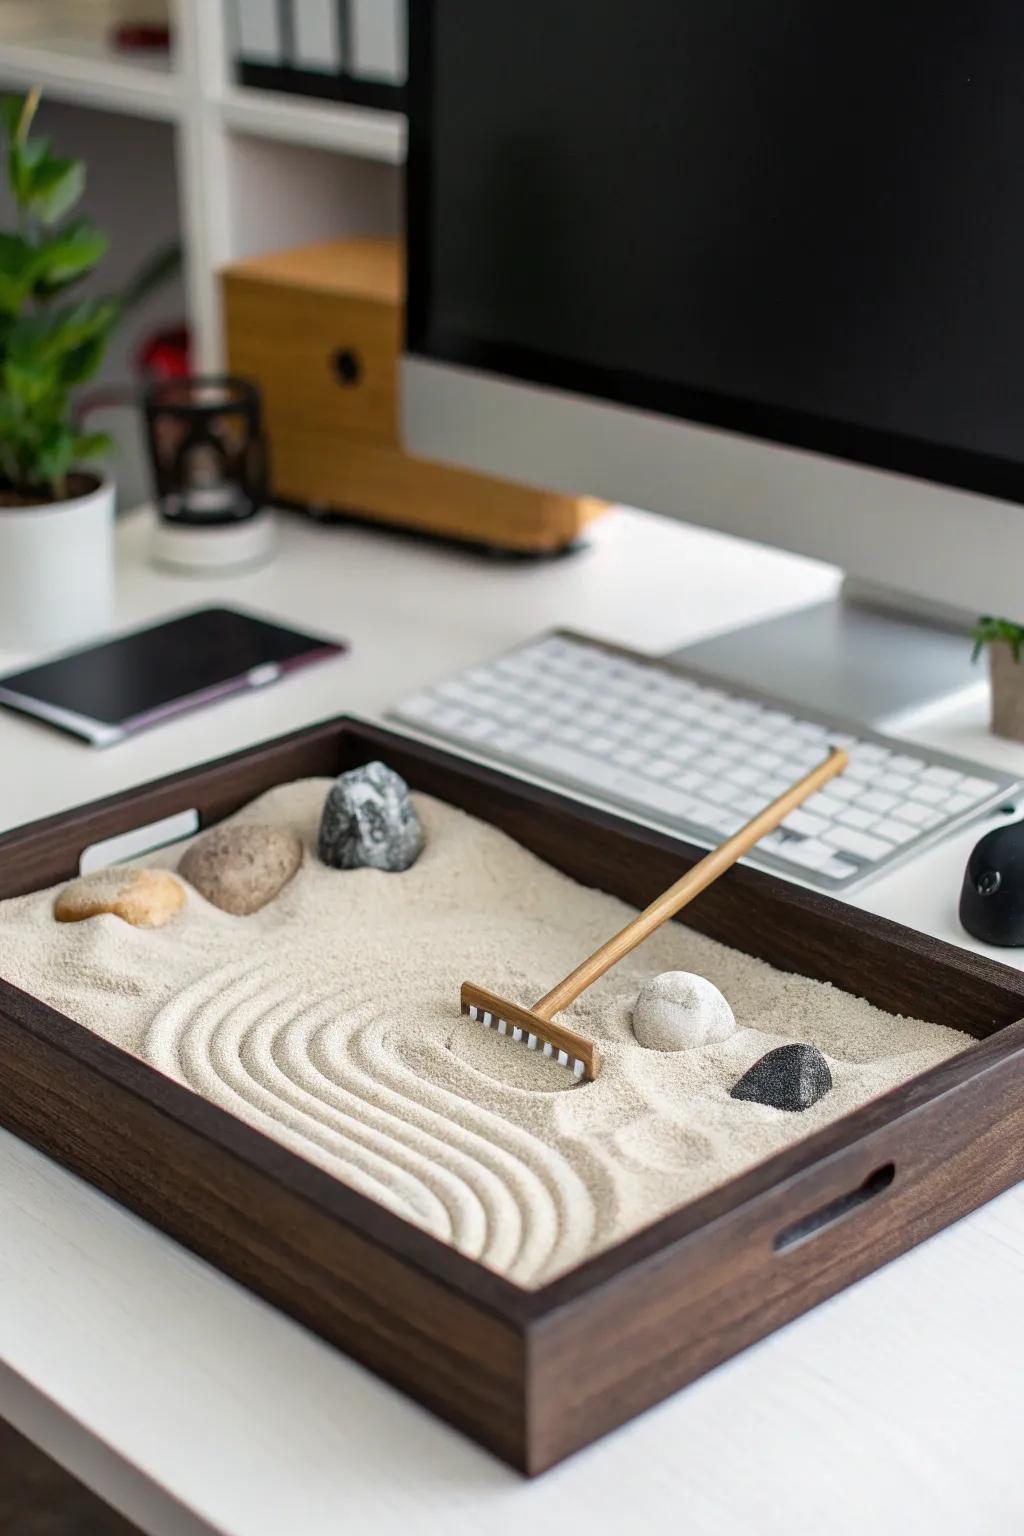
pixel 1005 642
pixel 56 515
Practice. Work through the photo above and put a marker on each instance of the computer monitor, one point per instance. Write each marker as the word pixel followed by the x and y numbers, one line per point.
pixel 759 267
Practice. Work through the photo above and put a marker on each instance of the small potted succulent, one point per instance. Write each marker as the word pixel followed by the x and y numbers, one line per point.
pixel 56 515
pixel 1005 644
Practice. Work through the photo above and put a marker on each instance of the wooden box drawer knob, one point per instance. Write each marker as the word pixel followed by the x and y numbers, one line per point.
pixel 346 365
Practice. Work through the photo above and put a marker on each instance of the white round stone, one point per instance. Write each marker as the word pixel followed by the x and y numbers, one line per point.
pixel 677 1011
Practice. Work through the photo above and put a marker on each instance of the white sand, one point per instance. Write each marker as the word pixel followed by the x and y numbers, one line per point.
pixel 330 1022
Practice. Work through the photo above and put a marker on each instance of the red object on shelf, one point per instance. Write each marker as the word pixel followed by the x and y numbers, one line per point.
pixel 140 38
pixel 165 354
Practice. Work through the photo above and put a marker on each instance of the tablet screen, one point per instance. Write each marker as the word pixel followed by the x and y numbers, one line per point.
pixel 130 680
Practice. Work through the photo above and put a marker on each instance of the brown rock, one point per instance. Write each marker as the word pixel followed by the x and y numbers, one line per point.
pixel 146 898
pixel 241 867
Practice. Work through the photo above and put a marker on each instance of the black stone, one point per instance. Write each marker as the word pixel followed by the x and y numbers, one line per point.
pixel 790 1077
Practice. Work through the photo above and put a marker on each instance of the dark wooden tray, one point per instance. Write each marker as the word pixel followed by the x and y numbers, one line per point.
pixel 534 1375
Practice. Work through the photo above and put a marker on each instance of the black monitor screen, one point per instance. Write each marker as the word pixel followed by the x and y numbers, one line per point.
pixel 802 219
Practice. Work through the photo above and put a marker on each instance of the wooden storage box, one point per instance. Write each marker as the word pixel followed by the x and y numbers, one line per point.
pixel 534 1375
pixel 319 329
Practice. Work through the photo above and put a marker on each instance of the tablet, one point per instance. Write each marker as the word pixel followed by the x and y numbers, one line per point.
pixel 121 686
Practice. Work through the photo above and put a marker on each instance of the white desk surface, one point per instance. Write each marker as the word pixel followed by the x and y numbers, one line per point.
pixel 191 1406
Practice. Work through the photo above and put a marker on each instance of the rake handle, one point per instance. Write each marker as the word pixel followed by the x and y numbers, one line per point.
pixel 687 887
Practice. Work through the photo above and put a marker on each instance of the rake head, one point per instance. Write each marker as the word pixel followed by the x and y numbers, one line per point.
pixel 520 1024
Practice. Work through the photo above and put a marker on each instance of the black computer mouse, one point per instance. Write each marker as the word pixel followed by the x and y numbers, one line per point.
pixel 992 898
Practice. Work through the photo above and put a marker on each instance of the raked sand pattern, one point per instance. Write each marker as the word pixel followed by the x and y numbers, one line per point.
pixel 329 1020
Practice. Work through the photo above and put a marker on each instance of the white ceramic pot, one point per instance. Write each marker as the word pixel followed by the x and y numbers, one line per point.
pixel 57 571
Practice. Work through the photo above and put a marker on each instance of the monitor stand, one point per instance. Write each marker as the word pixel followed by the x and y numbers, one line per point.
pixel 870 655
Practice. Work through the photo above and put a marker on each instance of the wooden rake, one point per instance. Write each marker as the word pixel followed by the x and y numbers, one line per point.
pixel 533 1027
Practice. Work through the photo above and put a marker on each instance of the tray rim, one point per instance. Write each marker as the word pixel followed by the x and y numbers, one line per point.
pixel 476 1283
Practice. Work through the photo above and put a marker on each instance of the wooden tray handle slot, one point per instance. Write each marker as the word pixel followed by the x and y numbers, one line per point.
pixel 835 1210
pixel 138 841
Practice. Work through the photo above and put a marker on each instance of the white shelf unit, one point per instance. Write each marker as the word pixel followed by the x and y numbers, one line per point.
pixel 253 170
pixel 82 71
pixel 359 131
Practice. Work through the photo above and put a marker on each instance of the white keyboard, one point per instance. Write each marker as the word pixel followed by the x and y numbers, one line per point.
pixel 684 753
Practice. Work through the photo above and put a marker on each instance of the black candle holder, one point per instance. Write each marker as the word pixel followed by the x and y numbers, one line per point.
pixel 207 449
pixel 209 461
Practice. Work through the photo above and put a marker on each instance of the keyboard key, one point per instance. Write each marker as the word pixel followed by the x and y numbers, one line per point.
pixel 747 804
pixel 767 762
pixel 680 751
pixel 745 775
pixel 824 803
pixel 448 718
pixel 876 800
pixel 715 765
pixel 957 804
pixel 726 822
pixel 806 854
pixel 852 817
pixel 705 812
pixel 903 764
pixel 896 831
pixel 476 729
pixel 914 812
pixel 839 868
pixel 813 731
pixel 602 745
pixel 944 777
pixel 660 768
pixel 844 788
pixel 509 741
pixel 806 822
pixel 894 784
pixel 981 788
pixel 860 844
pixel 928 794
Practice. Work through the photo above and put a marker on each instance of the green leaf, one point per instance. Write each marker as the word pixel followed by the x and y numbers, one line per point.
pixel 30 382
pixel 17 113
pixel 56 455
pixel 68 256
pixel 55 186
pixel 990 630
pixel 22 161
pixel 49 338
pixel 17 272
pixel 11 108
pixel 83 362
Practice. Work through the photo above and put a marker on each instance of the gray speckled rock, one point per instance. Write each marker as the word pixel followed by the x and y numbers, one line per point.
pixel 240 868
pixel 369 821
pixel 790 1077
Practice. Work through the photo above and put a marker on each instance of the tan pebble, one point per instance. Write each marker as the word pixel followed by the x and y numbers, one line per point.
pixel 240 868
pixel 146 898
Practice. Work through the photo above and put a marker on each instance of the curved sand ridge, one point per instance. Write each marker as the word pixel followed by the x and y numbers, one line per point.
pixel 317 1069
pixel 329 1021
